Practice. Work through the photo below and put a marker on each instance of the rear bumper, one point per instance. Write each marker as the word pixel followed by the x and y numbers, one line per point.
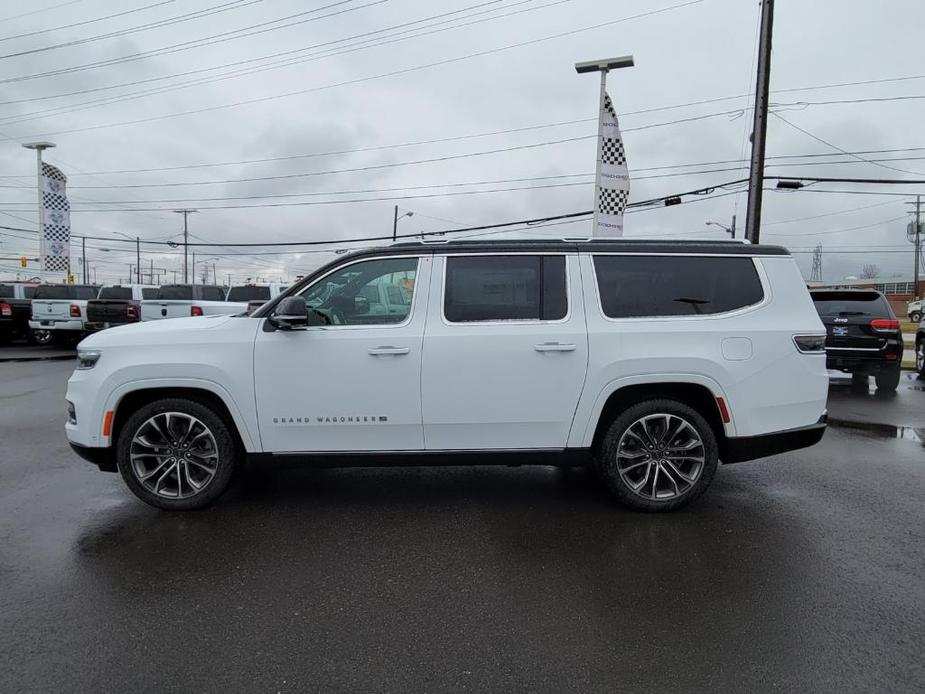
pixel 76 325
pixel 867 363
pixel 101 457
pixel 742 448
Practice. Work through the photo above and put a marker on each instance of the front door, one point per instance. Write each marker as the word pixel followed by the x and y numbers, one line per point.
pixel 354 383
pixel 505 352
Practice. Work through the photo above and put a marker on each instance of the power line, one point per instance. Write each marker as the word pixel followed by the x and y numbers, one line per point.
pixel 393 73
pixel 86 21
pixel 43 9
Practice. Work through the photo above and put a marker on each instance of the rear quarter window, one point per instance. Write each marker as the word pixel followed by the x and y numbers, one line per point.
pixel 654 286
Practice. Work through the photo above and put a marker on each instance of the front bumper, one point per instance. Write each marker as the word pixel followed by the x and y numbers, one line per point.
pixel 103 458
pixel 56 325
pixel 742 448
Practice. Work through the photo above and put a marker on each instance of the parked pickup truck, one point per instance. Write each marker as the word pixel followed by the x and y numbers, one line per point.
pixel 15 312
pixel 185 300
pixel 255 295
pixel 116 305
pixel 648 361
pixel 61 309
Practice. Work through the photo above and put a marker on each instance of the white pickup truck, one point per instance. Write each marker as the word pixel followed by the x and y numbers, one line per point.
pixel 185 300
pixel 649 361
pixel 61 309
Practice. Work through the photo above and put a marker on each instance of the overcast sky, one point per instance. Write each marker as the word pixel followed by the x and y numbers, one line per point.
pixel 220 81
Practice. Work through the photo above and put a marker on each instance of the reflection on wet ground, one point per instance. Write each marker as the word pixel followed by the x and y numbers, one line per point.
pixel 887 431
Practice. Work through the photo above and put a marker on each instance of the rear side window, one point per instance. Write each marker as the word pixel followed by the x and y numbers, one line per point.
pixel 505 287
pixel 249 293
pixel 116 293
pixel 851 304
pixel 636 286
pixel 149 293
pixel 6 291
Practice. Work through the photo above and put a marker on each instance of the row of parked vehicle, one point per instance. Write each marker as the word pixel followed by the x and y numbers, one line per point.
pixel 65 313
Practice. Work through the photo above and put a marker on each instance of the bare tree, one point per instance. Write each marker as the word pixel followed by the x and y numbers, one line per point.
pixel 870 271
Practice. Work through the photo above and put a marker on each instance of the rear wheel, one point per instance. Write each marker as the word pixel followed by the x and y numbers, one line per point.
pixel 177 454
pixel 888 381
pixel 41 337
pixel 915 316
pixel 658 455
pixel 920 358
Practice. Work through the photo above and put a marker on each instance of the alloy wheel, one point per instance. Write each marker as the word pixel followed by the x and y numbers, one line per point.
pixel 660 456
pixel 174 455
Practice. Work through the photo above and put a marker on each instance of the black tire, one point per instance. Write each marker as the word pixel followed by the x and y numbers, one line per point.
pixel 40 337
pixel 860 383
pixel 609 467
pixel 920 358
pixel 915 316
pixel 226 449
pixel 888 381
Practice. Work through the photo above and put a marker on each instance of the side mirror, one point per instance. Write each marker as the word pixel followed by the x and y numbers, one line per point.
pixel 291 314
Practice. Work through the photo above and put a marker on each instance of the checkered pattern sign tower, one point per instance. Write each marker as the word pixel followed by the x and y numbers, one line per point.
pixel 613 184
pixel 56 221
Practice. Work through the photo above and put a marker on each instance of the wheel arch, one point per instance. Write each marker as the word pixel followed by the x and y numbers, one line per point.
pixel 124 403
pixel 696 395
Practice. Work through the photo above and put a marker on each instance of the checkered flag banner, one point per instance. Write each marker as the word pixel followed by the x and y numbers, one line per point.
pixel 613 184
pixel 56 221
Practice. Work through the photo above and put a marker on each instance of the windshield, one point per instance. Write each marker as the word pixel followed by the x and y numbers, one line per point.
pixel 249 293
pixel 851 304
pixel 116 293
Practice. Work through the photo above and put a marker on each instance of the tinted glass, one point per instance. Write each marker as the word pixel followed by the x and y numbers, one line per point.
pixel 851 304
pixel 353 295
pixel 149 293
pixel 208 293
pixel 84 292
pixel 52 291
pixel 174 292
pixel 6 291
pixel 634 286
pixel 505 287
pixel 28 292
pixel 116 293
pixel 249 293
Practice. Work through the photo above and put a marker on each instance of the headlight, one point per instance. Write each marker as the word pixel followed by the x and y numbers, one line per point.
pixel 87 358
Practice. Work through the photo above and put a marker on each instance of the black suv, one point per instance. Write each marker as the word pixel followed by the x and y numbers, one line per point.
pixel 863 336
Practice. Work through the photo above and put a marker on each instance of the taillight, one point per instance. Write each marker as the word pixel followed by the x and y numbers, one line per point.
pixel 195 310
pixel 810 344
pixel 131 312
pixel 885 325
pixel 75 311
pixel 6 310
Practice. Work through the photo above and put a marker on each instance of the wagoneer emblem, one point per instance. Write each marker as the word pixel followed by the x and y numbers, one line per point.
pixel 337 419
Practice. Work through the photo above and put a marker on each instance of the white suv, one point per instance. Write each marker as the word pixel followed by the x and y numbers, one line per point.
pixel 650 361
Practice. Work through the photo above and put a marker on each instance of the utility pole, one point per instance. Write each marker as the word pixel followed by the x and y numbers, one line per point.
pixel 194 265
pixel 186 213
pixel 174 276
pixel 816 275
pixel 214 278
pixel 138 259
pixel 916 238
pixel 83 252
pixel 760 127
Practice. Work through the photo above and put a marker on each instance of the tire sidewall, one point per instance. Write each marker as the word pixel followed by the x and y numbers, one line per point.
pixel 224 440
pixel 607 456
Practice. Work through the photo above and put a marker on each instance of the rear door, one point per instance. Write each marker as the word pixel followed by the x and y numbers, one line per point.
pixel 505 351
pixel 847 317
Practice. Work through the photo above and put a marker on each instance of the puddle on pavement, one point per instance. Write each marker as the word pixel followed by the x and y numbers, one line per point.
pixel 884 431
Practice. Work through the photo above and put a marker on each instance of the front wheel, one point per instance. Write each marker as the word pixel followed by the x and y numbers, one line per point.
pixel 177 454
pixel 658 455
pixel 920 358
pixel 915 316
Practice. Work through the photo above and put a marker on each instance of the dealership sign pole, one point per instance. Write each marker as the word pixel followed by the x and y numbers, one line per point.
pixel 611 179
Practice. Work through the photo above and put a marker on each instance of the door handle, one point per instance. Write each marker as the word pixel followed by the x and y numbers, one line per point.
pixel 554 347
pixel 388 349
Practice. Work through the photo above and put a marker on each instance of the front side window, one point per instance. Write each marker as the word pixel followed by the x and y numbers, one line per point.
pixel 354 294
pixel 650 286
pixel 505 287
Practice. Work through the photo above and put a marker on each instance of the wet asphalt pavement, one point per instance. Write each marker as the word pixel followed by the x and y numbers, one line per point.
pixel 802 572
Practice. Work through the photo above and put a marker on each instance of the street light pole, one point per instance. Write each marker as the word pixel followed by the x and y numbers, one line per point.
pixel 602 66
pixel 760 127
pixel 395 219
pixel 39 147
